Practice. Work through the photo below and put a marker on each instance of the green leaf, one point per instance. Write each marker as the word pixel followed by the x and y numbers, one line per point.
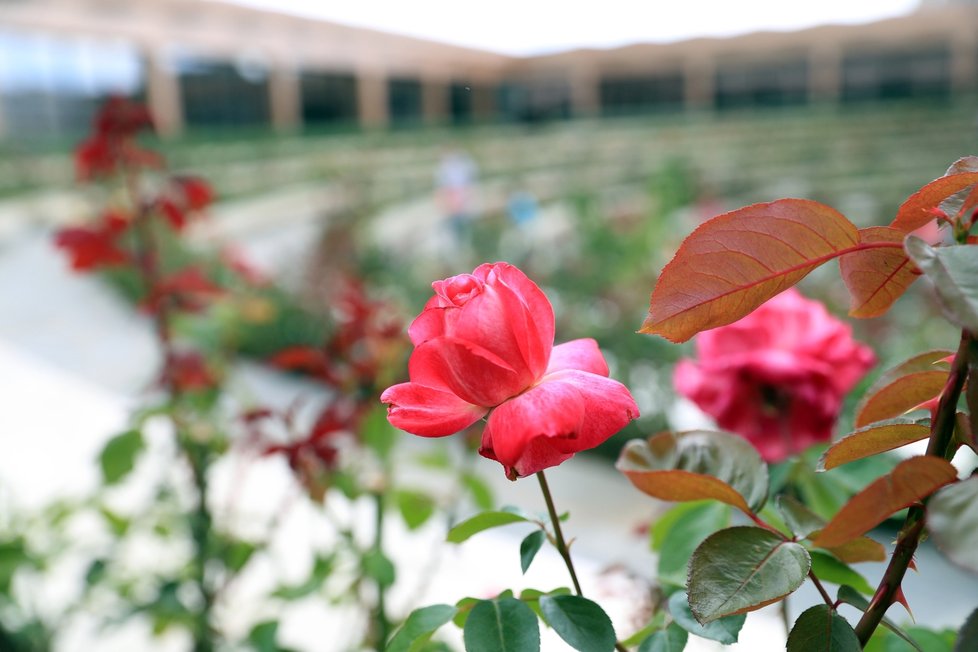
pixel 580 622
pixel 741 569
pixel 850 596
pixel 321 569
pixel 724 630
pixel 237 554
pixel 118 456
pixel 692 526
pixel 419 626
pixel 821 629
pixel 829 569
pixel 697 465
pixel 501 625
pixel 952 519
pixel 377 433
pixel 928 640
pixel 532 598
pixel 968 636
pixel 656 622
pixel 13 555
pixel 94 574
pixel 530 547
pixel 464 607
pixel 415 507
pixel 671 639
pixel 800 520
pixel 480 522
pixel 479 490
pixel 954 272
pixel 119 525
pixel 378 567
pixel 262 637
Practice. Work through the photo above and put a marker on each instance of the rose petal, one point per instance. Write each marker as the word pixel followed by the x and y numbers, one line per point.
pixel 428 411
pixel 534 322
pixel 583 355
pixel 468 370
pixel 567 412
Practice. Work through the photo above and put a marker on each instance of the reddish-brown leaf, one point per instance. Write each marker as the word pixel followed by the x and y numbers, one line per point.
pixel 871 440
pixel 876 277
pixel 911 481
pixel 680 486
pixel 899 396
pixel 736 261
pixel 858 550
pixel 916 211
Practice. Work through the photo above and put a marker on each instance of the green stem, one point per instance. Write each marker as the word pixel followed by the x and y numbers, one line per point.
pixel 940 445
pixel 200 526
pixel 198 455
pixel 381 623
pixel 561 544
pixel 562 548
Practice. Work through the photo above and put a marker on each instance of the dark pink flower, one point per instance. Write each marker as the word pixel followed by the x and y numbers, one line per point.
pixel 484 345
pixel 778 376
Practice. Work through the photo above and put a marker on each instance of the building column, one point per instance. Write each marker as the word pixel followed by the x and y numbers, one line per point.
pixel 163 95
pixel 483 100
pixel 825 74
pixel 434 100
pixel 699 83
pixel 964 61
pixel 285 98
pixel 585 93
pixel 373 110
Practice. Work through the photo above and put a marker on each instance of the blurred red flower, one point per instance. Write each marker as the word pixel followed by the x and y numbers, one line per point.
pixel 189 289
pixel 96 246
pixel 112 141
pixel 484 345
pixel 778 376
pixel 187 371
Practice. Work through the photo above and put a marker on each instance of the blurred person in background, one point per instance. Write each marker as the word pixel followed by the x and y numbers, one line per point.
pixel 455 180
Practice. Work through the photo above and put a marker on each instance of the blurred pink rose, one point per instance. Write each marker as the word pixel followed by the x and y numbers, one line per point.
pixel 778 376
pixel 484 345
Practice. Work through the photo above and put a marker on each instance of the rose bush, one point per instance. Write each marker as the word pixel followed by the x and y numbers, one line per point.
pixel 778 376
pixel 484 345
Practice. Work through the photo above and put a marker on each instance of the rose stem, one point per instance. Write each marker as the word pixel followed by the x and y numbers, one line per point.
pixel 560 543
pixel 198 456
pixel 381 621
pixel 940 445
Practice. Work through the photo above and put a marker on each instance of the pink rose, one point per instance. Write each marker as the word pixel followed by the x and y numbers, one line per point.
pixel 778 376
pixel 484 345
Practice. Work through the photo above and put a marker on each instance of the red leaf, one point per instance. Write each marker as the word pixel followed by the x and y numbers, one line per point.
pixel 872 440
pixel 301 358
pixel 189 288
pixel 900 396
pixel 911 481
pixel 187 371
pixel 917 210
pixel 92 247
pixel 736 261
pixel 196 193
pixel 174 214
pixel 876 277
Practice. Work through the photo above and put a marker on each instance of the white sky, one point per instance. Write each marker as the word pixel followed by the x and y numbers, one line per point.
pixel 537 26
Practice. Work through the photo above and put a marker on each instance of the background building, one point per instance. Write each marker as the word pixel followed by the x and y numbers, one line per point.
pixel 202 64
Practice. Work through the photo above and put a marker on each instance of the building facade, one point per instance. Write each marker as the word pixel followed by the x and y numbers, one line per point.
pixel 202 64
